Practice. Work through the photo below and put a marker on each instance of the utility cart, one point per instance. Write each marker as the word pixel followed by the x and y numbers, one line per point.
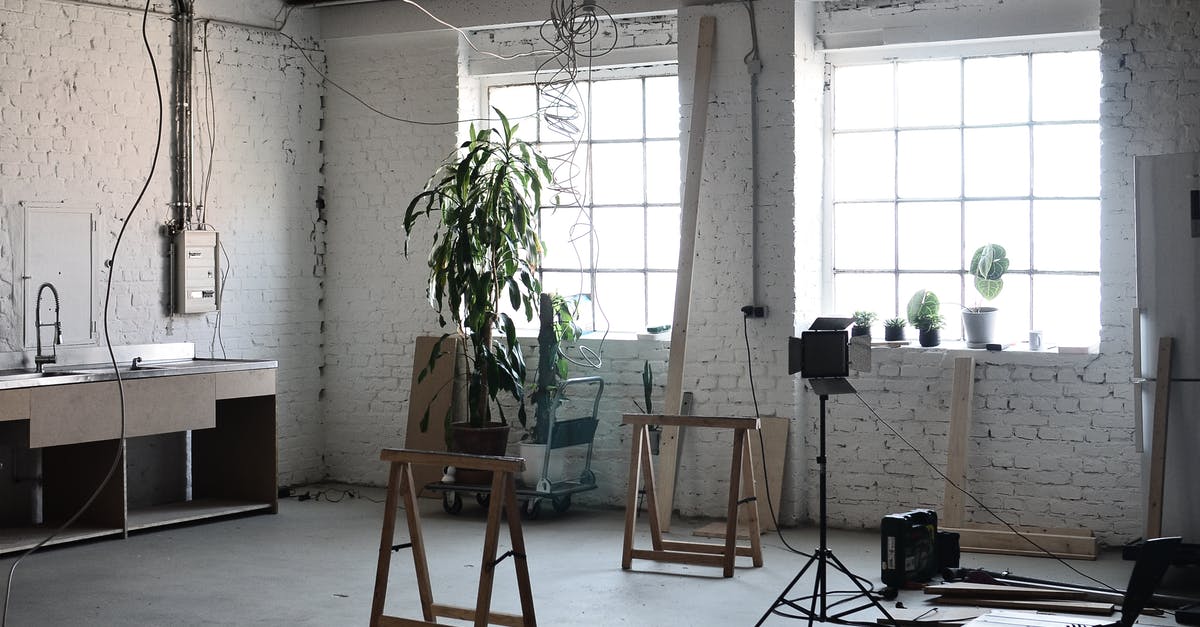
pixel 540 481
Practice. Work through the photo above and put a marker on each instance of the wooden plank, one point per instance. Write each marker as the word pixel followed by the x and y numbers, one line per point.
pixel 992 591
pixel 14 404
pixel 1076 607
pixel 706 548
pixel 154 405
pixel 244 383
pixel 1032 552
pixel 674 420
pixel 464 614
pixel 1078 532
pixel 631 492
pixel 517 541
pixel 384 557
pixel 425 393
pixel 668 456
pixel 768 473
pixel 458 460
pixel 1158 441
pixel 750 491
pixel 961 396
pixel 984 541
pixel 695 559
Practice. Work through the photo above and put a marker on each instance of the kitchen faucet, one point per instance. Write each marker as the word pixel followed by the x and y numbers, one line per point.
pixel 39 359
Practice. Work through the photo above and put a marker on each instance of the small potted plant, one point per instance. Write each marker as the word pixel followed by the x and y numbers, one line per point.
pixel 924 314
pixel 893 329
pixel 862 323
pixel 988 265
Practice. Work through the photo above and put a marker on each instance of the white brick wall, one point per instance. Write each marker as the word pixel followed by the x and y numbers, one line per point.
pixel 78 116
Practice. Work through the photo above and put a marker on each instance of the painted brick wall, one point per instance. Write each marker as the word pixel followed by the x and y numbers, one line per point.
pixel 374 297
pixel 77 108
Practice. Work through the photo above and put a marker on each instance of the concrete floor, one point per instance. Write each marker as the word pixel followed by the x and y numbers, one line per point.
pixel 314 564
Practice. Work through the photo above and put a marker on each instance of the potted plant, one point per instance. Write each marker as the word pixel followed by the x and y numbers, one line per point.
pixel 988 265
pixel 484 201
pixel 893 329
pixel 923 314
pixel 862 323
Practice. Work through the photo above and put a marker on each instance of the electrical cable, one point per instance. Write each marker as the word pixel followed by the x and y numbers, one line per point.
pixel 867 583
pixel 107 339
pixel 976 500
pixel 470 43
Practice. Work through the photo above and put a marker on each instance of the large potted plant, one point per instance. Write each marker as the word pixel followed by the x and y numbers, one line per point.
pixel 484 201
pixel 924 314
pixel 988 265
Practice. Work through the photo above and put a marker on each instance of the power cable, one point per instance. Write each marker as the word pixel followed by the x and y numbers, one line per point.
pixel 985 508
pixel 107 339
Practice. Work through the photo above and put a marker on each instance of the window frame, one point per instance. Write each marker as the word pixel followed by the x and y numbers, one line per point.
pixel 632 71
pixel 958 50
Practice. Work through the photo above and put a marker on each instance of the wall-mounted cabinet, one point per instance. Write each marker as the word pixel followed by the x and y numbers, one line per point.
pixel 199 446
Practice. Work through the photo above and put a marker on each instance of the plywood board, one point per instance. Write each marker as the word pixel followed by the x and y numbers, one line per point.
pixel 992 591
pixel 435 391
pixel 14 404
pixel 1158 438
pixel 1071 607
pixel 244 383
pixel 90 412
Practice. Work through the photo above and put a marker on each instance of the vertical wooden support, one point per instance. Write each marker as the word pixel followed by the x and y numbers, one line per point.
pixel 669 441
pixel 961 397
pixel 1158 442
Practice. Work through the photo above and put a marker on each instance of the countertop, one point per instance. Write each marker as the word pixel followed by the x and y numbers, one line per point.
pixel 65 374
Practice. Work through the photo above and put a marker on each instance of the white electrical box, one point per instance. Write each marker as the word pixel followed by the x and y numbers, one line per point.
pixel 197 272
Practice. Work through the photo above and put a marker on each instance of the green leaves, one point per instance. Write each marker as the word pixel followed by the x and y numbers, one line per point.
pixel 924 310
pixel 484 201
pixel 988 264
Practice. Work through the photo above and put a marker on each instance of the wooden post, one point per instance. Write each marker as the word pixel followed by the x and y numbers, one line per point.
pixel 961 395
pixel 668 444
pixel 1158 443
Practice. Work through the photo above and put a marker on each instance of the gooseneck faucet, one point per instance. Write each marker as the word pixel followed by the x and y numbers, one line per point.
pixel 39 359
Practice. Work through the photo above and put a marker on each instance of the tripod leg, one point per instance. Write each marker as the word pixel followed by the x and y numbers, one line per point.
pixel 782 598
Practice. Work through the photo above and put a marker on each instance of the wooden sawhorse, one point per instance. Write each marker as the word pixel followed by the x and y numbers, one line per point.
pixel 503 497
pixel 741 472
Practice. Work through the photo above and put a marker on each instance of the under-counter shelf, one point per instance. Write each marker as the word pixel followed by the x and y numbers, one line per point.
pixel 14 539
pixel 190 511
pixel 203 445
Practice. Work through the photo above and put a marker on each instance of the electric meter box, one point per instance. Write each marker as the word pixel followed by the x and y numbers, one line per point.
pixel 197 272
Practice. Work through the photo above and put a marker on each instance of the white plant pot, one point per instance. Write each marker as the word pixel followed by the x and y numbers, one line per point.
pixel 535 456
pixel 980 325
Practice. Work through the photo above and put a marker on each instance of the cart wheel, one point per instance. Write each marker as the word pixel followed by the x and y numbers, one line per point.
pixel 451 502
pixel 561 503
pixel 532 508
pixel 483 498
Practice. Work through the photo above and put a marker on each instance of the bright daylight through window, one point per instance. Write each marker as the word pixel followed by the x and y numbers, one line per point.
pixel 932 159
pixel 615 246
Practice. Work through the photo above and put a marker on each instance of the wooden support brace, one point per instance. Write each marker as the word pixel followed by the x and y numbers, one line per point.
pixel 668 456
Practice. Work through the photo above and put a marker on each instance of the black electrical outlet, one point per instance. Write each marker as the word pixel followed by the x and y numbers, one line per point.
pixel 754 311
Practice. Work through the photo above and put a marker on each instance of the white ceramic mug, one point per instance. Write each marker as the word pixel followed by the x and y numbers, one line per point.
pixel 1035 340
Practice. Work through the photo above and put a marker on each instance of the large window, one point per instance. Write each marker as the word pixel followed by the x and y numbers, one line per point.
pixel 933 158
pixel 613 241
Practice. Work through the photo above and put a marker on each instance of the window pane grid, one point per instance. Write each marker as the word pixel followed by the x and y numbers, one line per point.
pixel 1019 157
pixel 607 257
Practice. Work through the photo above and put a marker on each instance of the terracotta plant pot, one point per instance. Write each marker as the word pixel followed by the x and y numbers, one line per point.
pixel 489 440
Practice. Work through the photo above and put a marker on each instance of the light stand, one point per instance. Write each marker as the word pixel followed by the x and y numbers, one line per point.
pixel 823 558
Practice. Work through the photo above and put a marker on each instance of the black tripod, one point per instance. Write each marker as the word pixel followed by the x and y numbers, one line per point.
pixel 823 558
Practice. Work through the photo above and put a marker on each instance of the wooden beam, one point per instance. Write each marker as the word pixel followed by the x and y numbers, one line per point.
pixel 1158 442
pixel 974 540
pixel 717 422
pixel 961 395
pixel 668 456
pixel 458 460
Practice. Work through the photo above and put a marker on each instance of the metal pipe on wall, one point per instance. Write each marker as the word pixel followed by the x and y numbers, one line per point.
pixel 182 179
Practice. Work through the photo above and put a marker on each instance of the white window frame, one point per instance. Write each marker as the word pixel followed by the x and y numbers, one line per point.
pixel 1068 42
pixel 639 71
